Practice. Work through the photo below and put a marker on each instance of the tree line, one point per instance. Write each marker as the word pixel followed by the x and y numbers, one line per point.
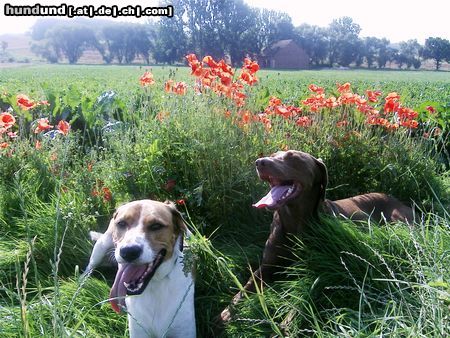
pixel 227 27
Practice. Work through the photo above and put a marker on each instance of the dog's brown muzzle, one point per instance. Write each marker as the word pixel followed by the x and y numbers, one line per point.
pixel 282 189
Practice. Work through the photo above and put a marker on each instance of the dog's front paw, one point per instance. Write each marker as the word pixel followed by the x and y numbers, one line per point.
pixel 225 315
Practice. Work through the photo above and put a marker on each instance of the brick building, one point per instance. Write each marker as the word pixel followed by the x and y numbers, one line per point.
pixel 285 54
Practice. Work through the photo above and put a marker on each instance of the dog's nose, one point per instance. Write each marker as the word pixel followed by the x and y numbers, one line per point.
pixel 260 162
pixel 130 252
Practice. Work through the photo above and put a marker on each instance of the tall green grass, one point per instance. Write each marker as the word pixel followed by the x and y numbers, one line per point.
pixel 349 279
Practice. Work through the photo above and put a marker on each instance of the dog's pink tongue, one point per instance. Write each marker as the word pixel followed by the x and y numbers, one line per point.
pixel 273 197
pixel 125 274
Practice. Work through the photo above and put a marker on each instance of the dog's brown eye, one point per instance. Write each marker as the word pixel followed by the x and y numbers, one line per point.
pixel 122 225
pixel 155 226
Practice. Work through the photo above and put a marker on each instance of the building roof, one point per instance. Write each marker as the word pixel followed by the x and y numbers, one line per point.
pixel 274 48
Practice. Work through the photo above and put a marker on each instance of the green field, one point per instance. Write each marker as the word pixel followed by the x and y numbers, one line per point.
pixel 130 142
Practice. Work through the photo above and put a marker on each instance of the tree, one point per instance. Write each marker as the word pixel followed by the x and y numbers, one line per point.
pixel 343 41
pixel 371 46
pixel 409 54
pixel 72 40
pixel 437 49
pixel 46 50
pixel 384 52
pixel 239 30
pixel 272 26
pixel 171 42
pixel 4 46
pixel 42 26
pixel 314 40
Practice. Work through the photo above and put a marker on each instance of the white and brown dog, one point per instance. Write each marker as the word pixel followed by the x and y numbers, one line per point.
pixel 152 284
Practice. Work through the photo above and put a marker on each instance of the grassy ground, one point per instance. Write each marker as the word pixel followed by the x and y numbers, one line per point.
pixel 349 279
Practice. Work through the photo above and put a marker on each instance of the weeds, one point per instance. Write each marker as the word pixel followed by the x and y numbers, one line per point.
pixel 128 142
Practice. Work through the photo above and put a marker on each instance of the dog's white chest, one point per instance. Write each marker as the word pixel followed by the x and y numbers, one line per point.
pixel 165 308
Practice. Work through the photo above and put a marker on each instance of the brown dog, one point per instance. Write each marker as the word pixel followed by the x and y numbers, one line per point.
pixel 298 182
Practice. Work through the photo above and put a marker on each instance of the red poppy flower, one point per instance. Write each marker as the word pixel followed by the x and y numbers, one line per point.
pixel 392 96
pixel 42 125
pixel 7 120
pixel 210 61
pixel 316 89
pixel 63 127
pixel 181 202
pixel 191 58
pixel 146 79
pixel 250 65
pixel 343 88
pixel 179 88
pixel 431 109
pixel 391 106
pixel 107 195
pixel 25 103
pixel 303 121
pixel 248 78
pixel 372 96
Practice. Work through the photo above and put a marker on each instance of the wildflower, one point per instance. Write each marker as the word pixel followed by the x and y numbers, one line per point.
pixel 146 79
pixel 331 102
pixel 303 121
pixel 392 96
pixel 210 61
pixel 4 145
pixel 372 96
pixel 38 145
pixel 63 127
pixel 192 58
pixel 411 124
pixel 225 67
pixel 179 88
pixel 42 125
pixel 431 109
pixel 44 103
pixel 345 88
pixel 342 123
pixel 169 185
pixel 316 89
pixel 162 115
pixel 251 66
pixel 181 202
pixel 225 79
pixel 248 78
pixel 168 86
pixel 6 120
pixel 25 103
pixel 107 195
pixel 391 105
pixel 274 101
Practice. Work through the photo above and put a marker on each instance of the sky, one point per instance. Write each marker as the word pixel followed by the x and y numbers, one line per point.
pixel 397 20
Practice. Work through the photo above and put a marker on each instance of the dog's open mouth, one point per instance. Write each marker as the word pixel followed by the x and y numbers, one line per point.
pixel 280 193
pixel 132 279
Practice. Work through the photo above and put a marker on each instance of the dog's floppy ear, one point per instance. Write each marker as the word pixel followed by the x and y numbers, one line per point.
pixel 179 223
pixel 324 177
pixel 103 245
pixel 178 219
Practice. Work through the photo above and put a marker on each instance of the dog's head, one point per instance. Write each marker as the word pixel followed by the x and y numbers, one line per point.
pixel 291 174
pixel 143 234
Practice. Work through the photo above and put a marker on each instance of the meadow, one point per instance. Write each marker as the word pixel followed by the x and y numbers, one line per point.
pixel 163 133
